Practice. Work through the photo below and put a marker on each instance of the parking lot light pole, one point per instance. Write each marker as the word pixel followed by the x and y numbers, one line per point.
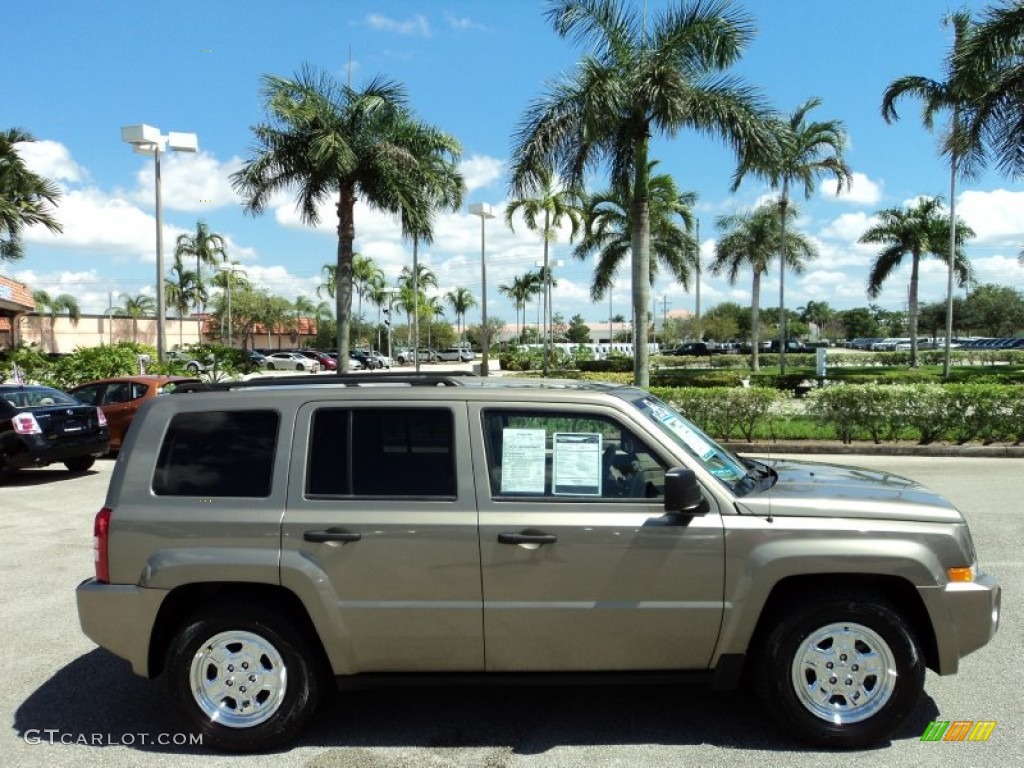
pixel 147 140
pixel 484 211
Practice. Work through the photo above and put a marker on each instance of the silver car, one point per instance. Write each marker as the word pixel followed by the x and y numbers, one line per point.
pixel 261 540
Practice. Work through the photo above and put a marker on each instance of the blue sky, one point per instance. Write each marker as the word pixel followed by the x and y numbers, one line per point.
pixel 471 67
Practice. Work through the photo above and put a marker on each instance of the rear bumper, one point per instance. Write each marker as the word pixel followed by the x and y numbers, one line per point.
pixel 120 618
pixel 40 452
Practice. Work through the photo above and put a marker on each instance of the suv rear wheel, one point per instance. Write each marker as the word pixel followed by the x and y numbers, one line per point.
pixel 246 679
pixel 840 672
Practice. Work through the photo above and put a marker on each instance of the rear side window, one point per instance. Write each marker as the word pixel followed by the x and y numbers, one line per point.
pixel 217 454
pixel 381 452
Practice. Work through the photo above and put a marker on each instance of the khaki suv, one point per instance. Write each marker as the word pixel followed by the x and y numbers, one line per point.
pixel 261 541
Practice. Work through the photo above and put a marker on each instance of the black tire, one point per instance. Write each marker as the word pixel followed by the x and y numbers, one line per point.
pixel 300 367
pixel 270 367
pixel 80 464
pixel 868 702
pixel 192 368
pixel 232 636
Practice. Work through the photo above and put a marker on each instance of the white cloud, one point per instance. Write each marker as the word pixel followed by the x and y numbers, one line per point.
pixel 847 227
pixel 190 182
pixel 994 216
pixel 463 22
pixel 415 25
pixel 481 171
pixel 862 191
pixel 96 221
pixel 50 159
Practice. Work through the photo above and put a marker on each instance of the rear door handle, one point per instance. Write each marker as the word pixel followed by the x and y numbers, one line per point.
pixel 331 534
pixel 527 538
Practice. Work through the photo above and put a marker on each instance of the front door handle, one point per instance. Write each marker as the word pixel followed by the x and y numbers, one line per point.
pixel 527 538
pixel 331 534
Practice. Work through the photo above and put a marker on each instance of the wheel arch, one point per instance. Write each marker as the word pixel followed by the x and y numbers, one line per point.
pixel 893 590
pixel 189 599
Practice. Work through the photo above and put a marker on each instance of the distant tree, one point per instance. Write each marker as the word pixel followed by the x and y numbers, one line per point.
pixel 578 331
pixel 209 249
pixel 51 306
pixel 645 75
pixel 721 322
pixel 995 310
pixel 750 240
pixel 26 198
pixel 136 307
pixel 519 291
pixel 917 231
pixel 324 139
pixel 366 277
pixel 461 301
pixel 859 323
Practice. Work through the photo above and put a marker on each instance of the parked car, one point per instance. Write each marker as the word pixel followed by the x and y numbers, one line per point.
pixel 192 362
pixel 256 359
pixel 455 354
pixel 691 349
pixel 383 361
pixel 327 363
pixel 425 355
pixel 364 358
pixel 792 346
pixel 41 426
pixel 120 397
pixel 291 361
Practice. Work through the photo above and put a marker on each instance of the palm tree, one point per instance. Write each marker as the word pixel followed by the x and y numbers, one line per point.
pixel 801 152
pixel 991 55
pixel 543 198
pixel 956 94
pixel 413 282
pixel 26 198
pixel 330 283
pixel 208 248
pixel 644 77
pixel 325 138
pixel 750 241
pixel 461 301
pixel 366 275
pixel 302 307
pixel 520 291
pixel 229 280
pixel 61 304
pixel 919 231
pixel 608 233
pixel 181 291
pixel 136 307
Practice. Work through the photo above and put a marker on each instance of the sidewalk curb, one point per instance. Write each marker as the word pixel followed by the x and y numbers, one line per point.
pixel 879 449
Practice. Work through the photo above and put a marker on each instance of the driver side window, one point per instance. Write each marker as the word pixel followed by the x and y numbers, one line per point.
pixel 568 456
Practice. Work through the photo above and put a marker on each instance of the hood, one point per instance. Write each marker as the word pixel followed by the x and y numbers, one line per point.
pixel 810 489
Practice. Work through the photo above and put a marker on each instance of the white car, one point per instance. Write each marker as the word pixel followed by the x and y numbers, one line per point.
pixel 290 361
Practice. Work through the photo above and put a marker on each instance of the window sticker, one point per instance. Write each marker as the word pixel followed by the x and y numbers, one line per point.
pixel 577 464
pixel 522 461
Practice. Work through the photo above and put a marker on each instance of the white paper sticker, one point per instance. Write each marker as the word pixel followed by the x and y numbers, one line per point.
pixel 577 464
pixel 522 461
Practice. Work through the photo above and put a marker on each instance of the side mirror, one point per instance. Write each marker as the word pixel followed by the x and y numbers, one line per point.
pixel 682 493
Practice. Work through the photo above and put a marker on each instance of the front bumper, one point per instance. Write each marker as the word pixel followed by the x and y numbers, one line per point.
pixel 965 616
pixel 120 618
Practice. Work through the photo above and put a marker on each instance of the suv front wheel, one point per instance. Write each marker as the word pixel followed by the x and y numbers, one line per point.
pixel 243 677
pixel 840 672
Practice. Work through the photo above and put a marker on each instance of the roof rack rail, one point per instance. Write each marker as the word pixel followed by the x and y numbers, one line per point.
pixel 450 379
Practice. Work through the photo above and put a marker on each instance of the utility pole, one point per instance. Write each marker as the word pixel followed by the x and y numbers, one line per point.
pixel 700 334
pixel 664 313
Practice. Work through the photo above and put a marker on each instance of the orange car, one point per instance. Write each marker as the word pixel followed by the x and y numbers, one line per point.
pixel 120 397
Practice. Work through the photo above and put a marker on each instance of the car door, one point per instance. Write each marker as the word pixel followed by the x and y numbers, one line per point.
pixel 581 570
pixel 382 509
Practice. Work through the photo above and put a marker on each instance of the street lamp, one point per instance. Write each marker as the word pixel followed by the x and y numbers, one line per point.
pixel 229 276
pixel 147 140
pixel 484 211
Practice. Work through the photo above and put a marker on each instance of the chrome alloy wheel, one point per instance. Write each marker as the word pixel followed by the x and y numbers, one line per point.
pixel 238 679
pixel 844 673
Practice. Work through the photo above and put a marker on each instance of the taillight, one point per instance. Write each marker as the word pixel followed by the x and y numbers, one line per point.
pixel 26 424
pixel 101 417
pixel 100 537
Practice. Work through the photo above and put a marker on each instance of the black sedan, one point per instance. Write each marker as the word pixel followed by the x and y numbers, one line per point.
pixel 41 425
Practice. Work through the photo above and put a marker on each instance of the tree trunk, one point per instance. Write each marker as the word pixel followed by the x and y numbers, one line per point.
pixel 343 302
pixel 755 322
pixel 641 248
pixel 912 302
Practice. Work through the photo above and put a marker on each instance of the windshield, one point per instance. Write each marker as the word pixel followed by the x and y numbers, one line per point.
pixel 730 470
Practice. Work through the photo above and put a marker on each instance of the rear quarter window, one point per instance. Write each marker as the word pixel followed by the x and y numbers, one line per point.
pixel 218 454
